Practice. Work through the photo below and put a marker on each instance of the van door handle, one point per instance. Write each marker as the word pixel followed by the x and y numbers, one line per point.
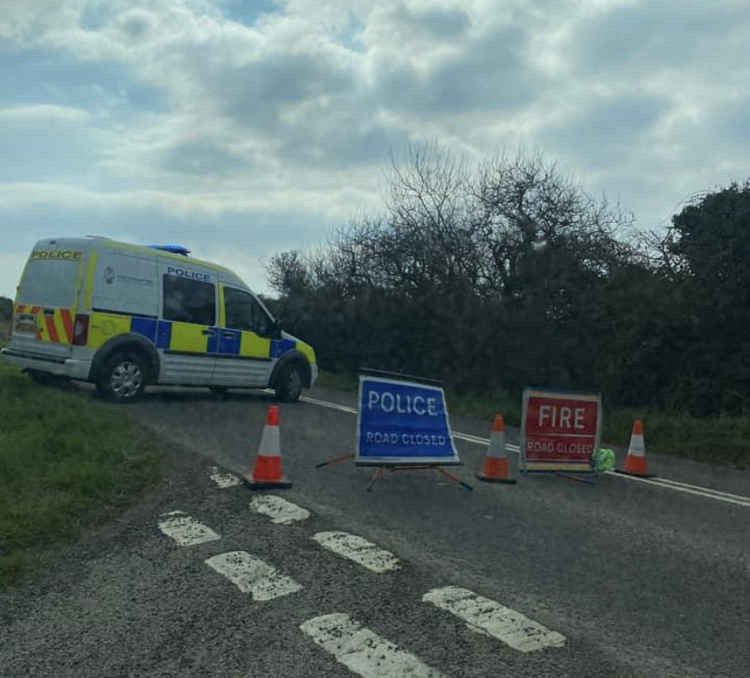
pixel 228 335
pixel 209 331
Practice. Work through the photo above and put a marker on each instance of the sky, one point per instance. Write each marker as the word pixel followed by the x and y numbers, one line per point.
pixel 244 128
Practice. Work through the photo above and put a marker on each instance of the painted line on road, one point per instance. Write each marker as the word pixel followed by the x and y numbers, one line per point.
pixel 328 404
pixel 700 492
pixel 469 438
pixel 708 490
pixel 185 530
pixel 253 575
pixel 224 479
pixel 281 511
pixel 362 651
pixel 359 550
pixel 493 619
pixel 686 488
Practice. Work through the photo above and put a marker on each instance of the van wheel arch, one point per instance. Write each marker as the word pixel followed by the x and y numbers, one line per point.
pixel 291 359
pixel 123 377
pixel 128 344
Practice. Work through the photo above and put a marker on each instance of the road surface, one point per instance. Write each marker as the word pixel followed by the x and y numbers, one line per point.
pixel 549 577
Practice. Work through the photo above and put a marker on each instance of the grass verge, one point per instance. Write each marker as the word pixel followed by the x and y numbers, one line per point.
pixel 66 462
pixel 722 440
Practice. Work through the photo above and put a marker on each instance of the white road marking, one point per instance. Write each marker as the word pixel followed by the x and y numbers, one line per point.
pixel 280 510
pixel 486 616
pixel 359 550
pixel 252 575
pixel 224 479
pixel 328 404
pixel 687 489
pixel 718 493
pixel 185 530
pixel 362 651
pixel 696 490
pixel 477 440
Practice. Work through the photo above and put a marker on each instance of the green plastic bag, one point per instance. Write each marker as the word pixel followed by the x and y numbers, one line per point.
pixel 604 460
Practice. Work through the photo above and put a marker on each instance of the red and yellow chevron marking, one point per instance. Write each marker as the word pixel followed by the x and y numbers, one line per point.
pixel 53 324
pixel 67 322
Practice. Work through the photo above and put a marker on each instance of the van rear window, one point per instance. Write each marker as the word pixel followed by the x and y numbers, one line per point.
pixel 49 282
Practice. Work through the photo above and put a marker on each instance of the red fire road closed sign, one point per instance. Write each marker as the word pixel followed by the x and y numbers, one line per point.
pixel 559 431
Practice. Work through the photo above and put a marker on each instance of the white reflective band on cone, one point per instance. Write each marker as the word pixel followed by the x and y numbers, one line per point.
pixel 637 446
pixel 496 448
pixel 269 443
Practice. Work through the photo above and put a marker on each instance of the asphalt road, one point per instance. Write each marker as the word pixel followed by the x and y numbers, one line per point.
pixel 616 579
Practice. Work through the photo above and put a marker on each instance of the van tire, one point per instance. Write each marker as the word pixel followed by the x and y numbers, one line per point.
pixel 123 377
pixel 289 383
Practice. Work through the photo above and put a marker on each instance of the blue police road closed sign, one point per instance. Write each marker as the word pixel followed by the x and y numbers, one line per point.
pixel 402 422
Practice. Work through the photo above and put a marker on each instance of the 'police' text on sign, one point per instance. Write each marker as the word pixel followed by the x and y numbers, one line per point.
pixel 402 422
pixel 560 431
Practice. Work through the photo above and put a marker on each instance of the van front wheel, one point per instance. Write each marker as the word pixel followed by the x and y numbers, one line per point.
pixel 122 378
pixel 289 383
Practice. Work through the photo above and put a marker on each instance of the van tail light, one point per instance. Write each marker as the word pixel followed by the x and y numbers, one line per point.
pixel 81 330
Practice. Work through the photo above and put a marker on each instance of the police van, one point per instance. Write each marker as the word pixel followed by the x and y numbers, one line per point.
pixel 125 316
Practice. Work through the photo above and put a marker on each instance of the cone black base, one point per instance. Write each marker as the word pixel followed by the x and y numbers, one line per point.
pixel 487 479
pixel 282 484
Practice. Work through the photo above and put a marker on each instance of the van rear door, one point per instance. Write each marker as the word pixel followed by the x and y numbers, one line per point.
pixel 46 304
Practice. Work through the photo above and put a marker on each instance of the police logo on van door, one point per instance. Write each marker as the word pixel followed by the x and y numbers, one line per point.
pixel 109 275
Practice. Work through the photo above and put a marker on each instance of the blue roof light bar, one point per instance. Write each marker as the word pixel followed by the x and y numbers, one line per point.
pixel 174 249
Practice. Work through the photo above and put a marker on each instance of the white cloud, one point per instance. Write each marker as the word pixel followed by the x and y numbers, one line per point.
pixel 44 114
pixel 177 114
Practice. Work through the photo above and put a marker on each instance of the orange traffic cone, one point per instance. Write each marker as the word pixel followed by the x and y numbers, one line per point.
pixel 267 470
pixel 635 462
pixel 496 462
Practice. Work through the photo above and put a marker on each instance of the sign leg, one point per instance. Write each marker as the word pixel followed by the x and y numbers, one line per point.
pixel 334 460
pixel 439 469
pixel 378 474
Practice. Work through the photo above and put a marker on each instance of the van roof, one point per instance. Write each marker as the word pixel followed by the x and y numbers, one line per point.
pixel 94 242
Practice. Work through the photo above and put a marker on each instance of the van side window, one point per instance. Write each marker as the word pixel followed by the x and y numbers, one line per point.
pixel 245 313
pixel 189 301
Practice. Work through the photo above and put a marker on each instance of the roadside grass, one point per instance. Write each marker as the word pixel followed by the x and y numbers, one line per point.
pixel 722 440
pixel 66 462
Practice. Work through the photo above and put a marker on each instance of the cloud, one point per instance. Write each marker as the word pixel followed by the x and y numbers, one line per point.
pixel 658 34
pixel 201 158
pixel 226 122
pixel 609 127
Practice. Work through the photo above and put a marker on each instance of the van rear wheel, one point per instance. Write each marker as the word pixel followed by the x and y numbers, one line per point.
pixel 123 378
pixel 289 383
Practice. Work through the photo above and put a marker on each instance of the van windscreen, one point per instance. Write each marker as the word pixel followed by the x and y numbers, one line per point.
pixel 49 282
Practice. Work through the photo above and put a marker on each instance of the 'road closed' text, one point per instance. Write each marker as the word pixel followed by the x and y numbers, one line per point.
pixel 387 438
